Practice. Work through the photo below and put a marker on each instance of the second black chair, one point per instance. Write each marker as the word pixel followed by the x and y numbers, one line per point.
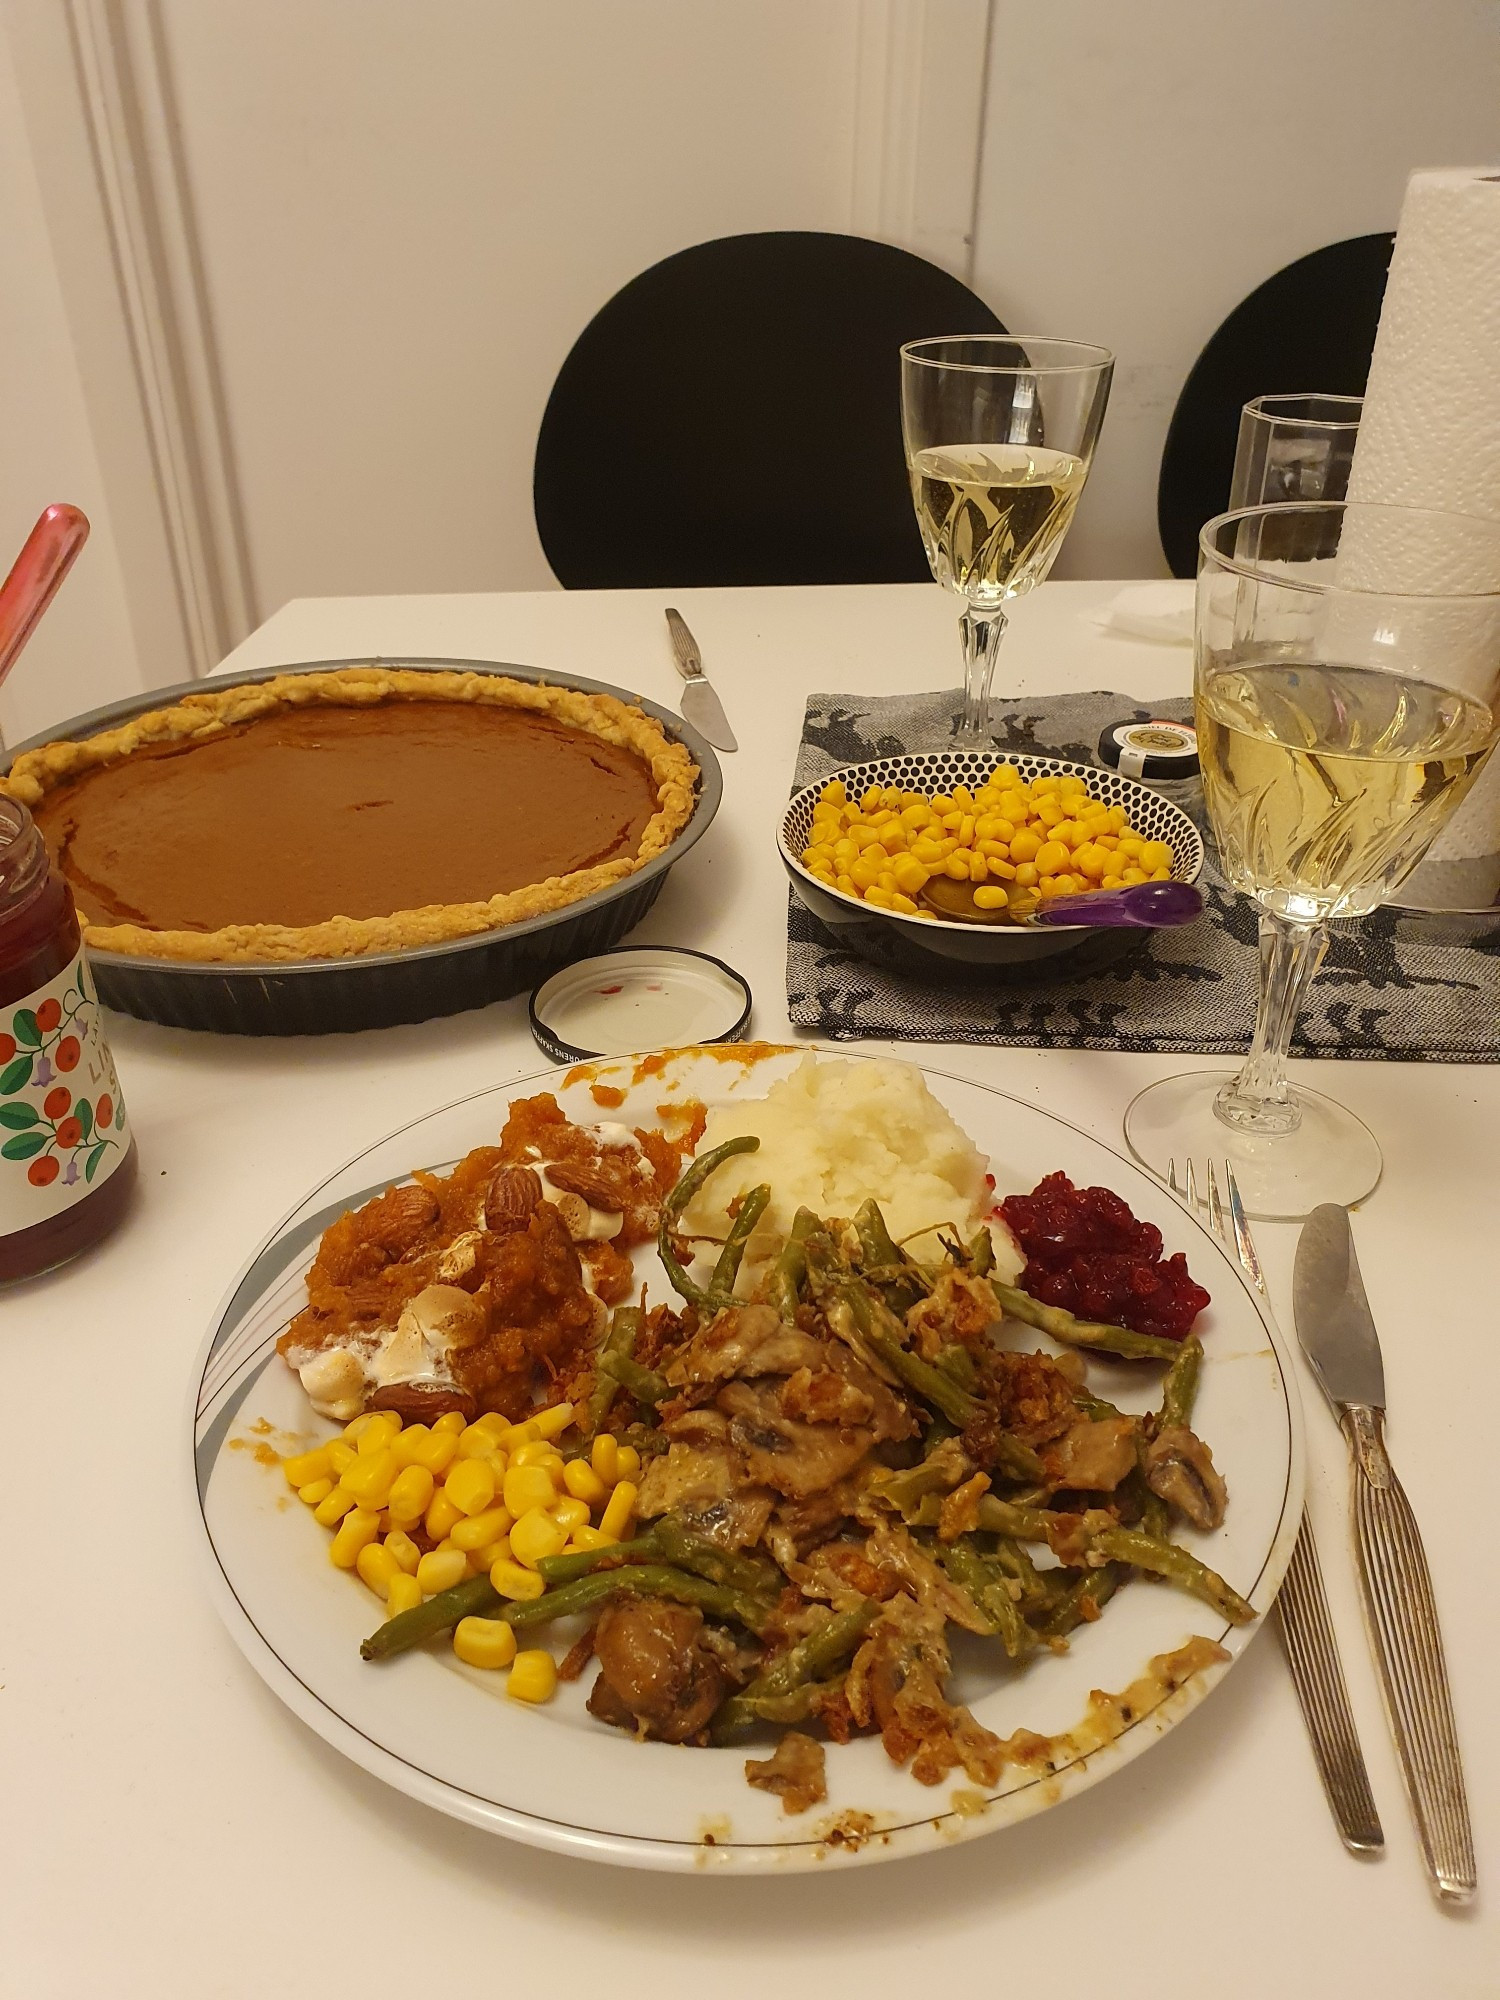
pixel 733 416
pixel 1308 330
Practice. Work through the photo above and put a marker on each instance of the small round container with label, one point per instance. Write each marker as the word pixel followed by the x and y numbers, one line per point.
pixel 1163 755
pixel 67 1152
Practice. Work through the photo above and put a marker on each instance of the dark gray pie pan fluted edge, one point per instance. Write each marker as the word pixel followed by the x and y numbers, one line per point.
pixel 340 995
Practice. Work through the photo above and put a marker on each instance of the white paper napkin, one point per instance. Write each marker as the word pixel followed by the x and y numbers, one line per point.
pixel 1159 611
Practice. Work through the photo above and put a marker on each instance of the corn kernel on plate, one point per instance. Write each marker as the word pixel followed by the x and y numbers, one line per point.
pixel 478 1725
pixel 861 846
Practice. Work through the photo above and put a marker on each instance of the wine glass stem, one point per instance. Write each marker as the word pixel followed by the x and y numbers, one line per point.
pixel 982 630
pixel 1258 1100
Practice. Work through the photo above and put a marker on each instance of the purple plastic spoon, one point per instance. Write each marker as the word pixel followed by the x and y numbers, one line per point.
pixel 1139 906
pixel 1145 905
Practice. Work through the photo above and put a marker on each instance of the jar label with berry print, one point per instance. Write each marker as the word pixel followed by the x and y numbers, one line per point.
pixel 62 1123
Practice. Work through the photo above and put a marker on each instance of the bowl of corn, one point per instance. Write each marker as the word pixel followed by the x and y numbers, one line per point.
pixel 861 847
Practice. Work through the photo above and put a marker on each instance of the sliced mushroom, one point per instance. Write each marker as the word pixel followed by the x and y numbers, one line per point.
pixel 1180 1470
pixel 1093 1457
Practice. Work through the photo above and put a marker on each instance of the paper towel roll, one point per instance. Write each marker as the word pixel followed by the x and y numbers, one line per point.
pixel 1429 433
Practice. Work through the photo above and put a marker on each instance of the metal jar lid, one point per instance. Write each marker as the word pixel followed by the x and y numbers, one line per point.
pixel 650 996
pixel 1151 750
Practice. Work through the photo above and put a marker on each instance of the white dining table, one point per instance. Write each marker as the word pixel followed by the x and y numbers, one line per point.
pixel 170 1829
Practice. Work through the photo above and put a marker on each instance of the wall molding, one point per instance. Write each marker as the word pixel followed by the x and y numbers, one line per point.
pixel 97 92
pixel 921 68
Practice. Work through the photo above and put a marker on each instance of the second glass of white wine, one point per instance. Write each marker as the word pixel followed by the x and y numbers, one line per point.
pixel 1000 433
pixel 1344 708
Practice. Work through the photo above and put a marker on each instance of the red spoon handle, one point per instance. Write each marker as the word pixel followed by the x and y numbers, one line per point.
pixel 45 560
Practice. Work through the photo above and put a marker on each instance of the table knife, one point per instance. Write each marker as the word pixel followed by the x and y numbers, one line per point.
pixel 1307 1633
pixel 700 705
pixel 1338 1335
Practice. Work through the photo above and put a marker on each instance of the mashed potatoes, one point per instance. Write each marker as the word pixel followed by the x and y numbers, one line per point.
pixel 834 1134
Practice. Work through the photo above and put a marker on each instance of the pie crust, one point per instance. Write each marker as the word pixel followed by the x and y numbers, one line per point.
pixel 673 774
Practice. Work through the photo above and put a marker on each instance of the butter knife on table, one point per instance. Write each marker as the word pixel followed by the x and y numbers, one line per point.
pixel 1338 1335
pixel 700 705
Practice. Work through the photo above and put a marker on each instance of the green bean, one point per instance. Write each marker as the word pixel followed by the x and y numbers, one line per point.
pixel 993 1516
pixel 1093 1407
pixel 1093 1587
pixel 990 1593
pixel 640 1580
pixel 643 1383
pixel 981 1249
pixel 876 1326
pixel 474 1597
pixel 752 1208
pixel 1152 1512
pixel 957 1363
pixel 678 1200
pixel 737 1571
pixel 1072 1332
pixel 939 1472
pixel 1012 1558
pixel 784 1286
pixel 810 1659
pixel 1007 1517
pixel 564 1569
pixel 1156 1515
pixel 1016 1460
pixel 824 1263
pixel 1176 1565
pixel 1180 1389
pixel 624 1331
pixel 883 1261
pixel 797 1706
pixel 878 1248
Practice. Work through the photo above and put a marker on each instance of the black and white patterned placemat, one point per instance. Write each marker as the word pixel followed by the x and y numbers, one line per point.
pixel 1382 994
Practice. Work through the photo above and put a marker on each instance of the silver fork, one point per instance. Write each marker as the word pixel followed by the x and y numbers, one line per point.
pixel 1302 1603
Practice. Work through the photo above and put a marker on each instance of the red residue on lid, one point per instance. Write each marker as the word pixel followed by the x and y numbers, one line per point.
pixel 611 989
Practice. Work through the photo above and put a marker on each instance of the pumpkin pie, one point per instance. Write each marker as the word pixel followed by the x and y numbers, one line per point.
pixel 365 809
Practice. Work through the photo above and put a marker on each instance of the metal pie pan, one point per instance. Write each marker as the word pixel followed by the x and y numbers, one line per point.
pixel 341 995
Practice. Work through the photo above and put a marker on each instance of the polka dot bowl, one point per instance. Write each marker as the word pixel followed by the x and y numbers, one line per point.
pixel 943 950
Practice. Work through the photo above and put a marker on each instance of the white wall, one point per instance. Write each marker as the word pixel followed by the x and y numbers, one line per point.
pixel 1146 166
pixel 83 651
pixel 363 234
pixel 408 213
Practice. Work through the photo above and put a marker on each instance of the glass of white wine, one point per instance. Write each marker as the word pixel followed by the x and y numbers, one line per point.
pixel 1347 689
pixel 1000 431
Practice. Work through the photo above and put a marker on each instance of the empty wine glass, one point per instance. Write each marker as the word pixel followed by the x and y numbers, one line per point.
pixel 1000 431
pixel 1294 448
pixel 1342 716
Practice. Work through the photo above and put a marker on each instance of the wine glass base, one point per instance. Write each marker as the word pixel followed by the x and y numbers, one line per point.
pixel 1332 1156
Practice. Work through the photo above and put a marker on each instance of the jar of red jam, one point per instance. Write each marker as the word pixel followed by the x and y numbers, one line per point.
pixel 67 1154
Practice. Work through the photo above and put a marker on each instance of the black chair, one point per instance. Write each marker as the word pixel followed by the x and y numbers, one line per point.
pixel 733 416
pixel 1310 329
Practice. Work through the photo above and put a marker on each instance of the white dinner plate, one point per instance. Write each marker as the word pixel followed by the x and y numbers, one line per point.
pixel 447 1734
